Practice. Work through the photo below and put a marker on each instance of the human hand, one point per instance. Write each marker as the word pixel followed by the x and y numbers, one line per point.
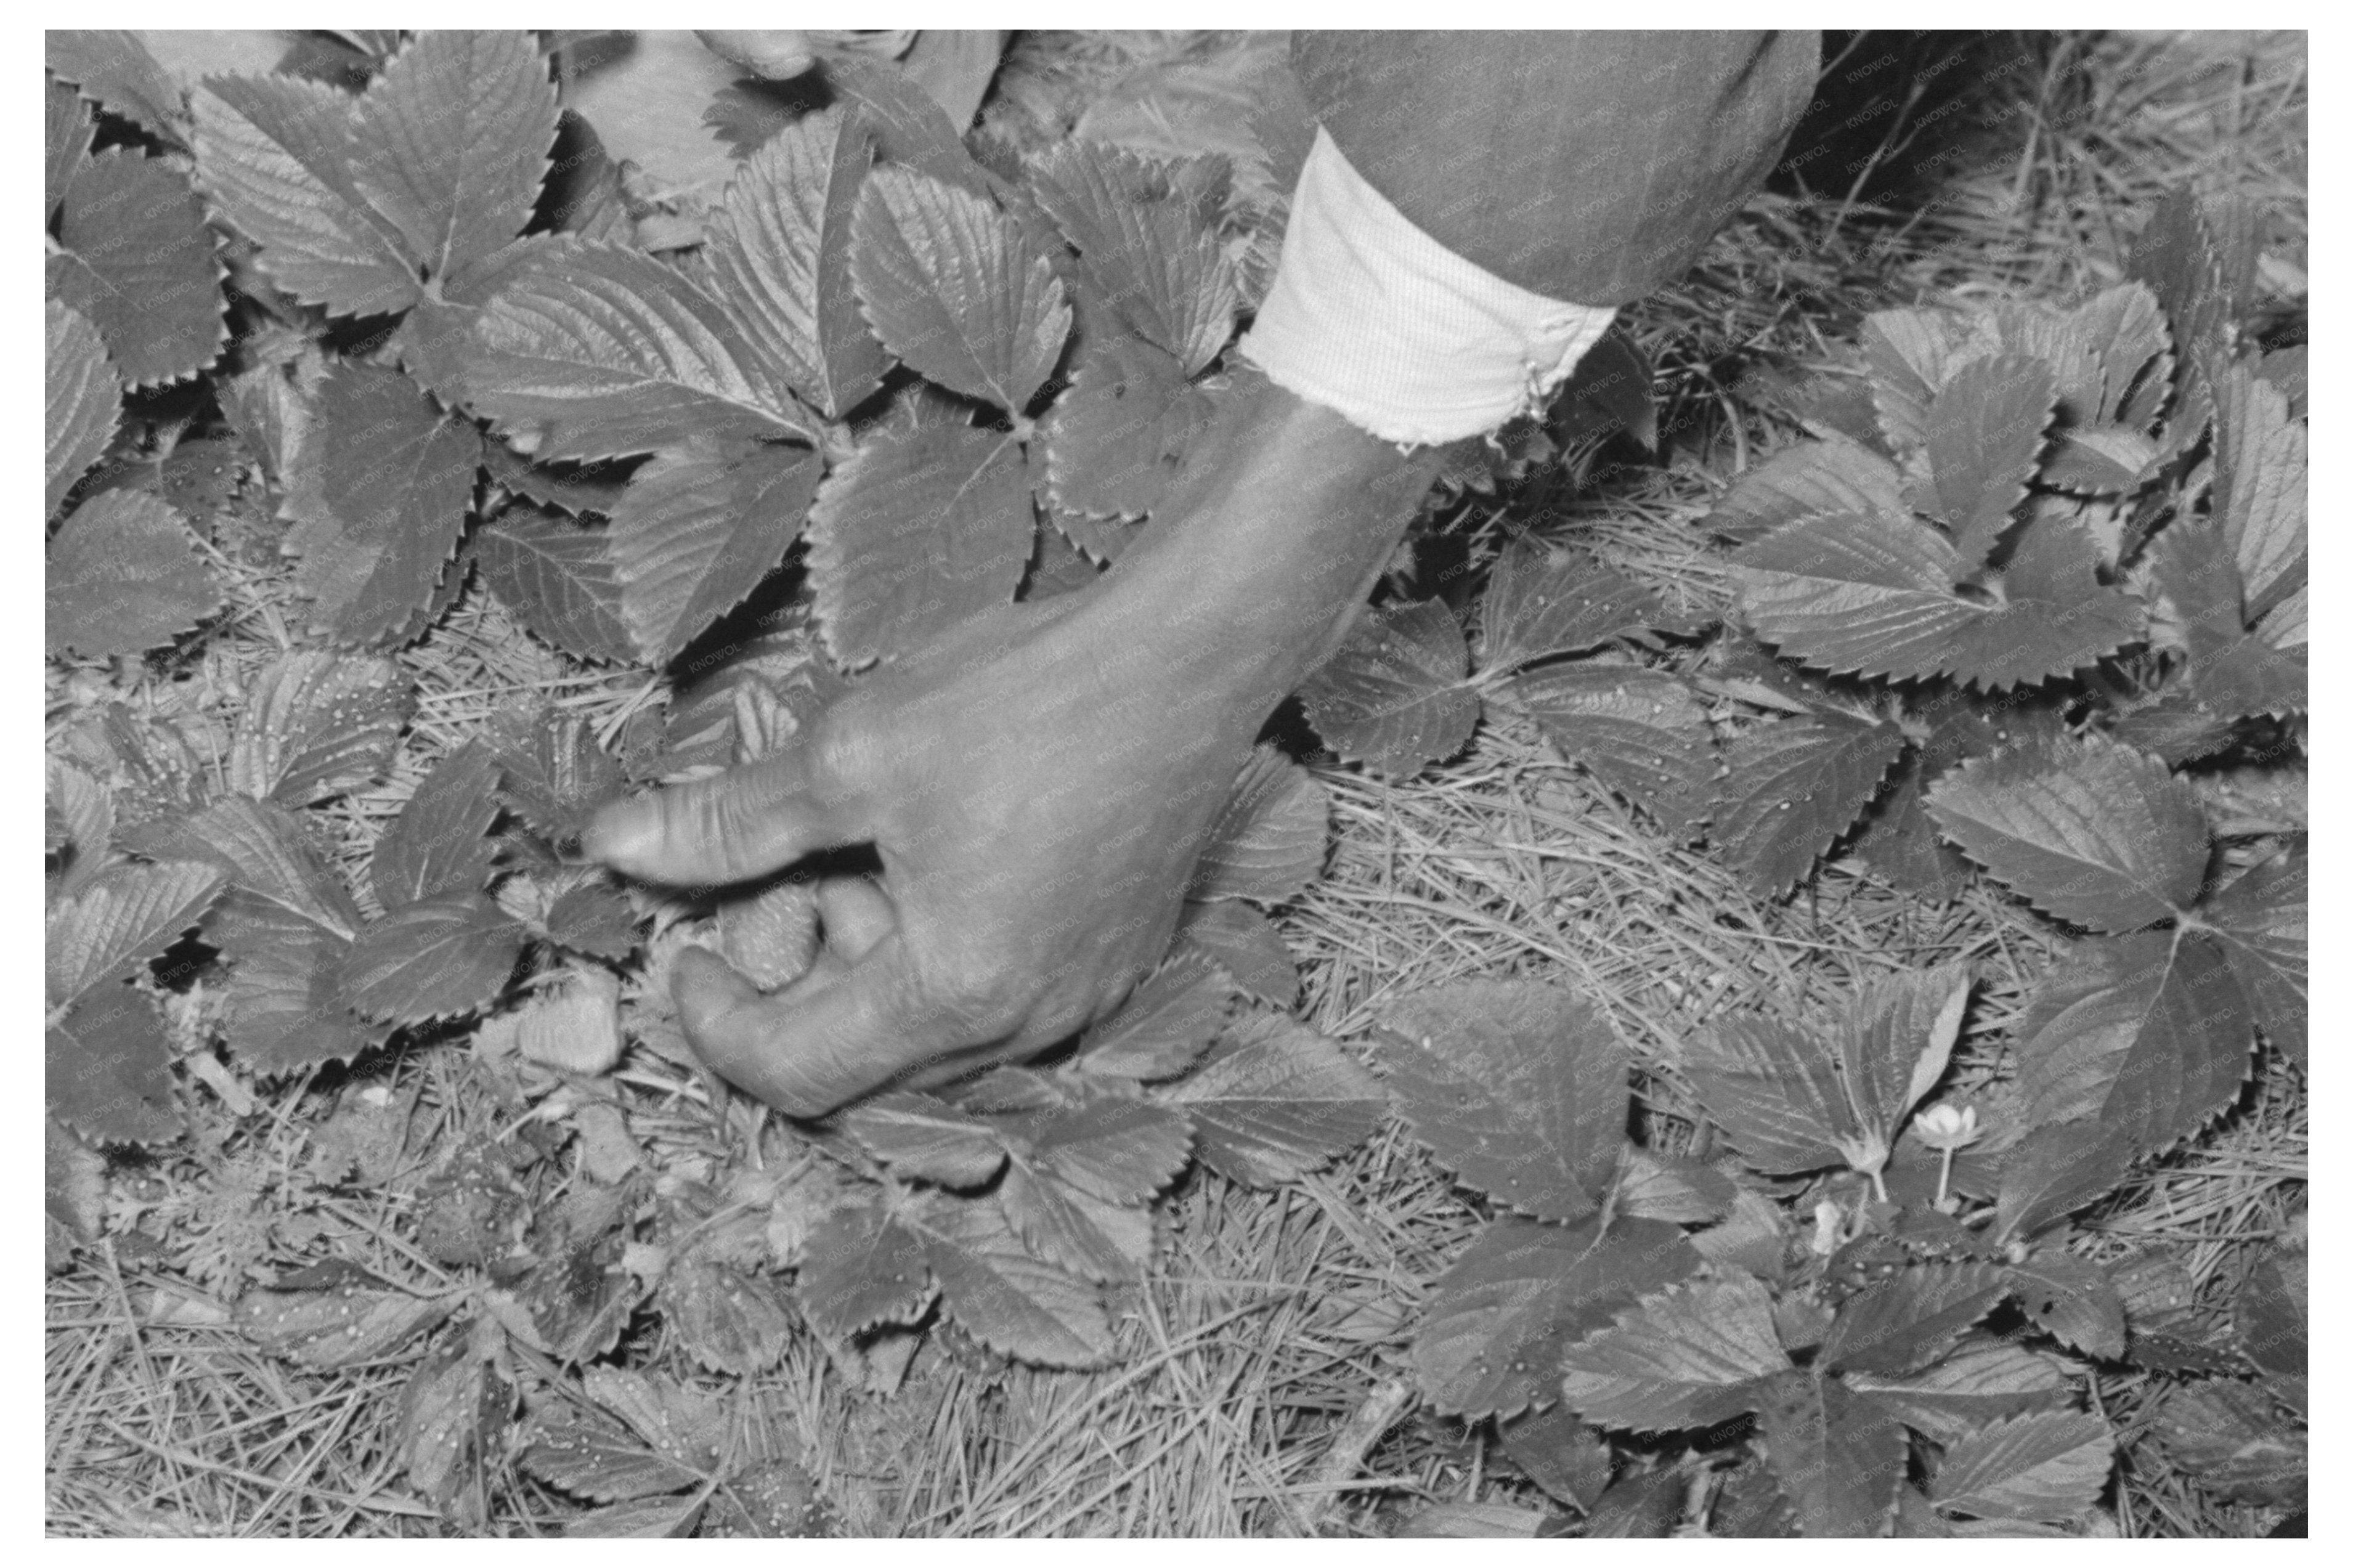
pixel 1037 782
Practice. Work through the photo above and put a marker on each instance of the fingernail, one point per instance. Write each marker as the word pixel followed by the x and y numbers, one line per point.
pixel 617 833
pixel 706 989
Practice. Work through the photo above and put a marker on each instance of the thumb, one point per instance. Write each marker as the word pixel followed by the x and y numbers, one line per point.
pixel 815 1044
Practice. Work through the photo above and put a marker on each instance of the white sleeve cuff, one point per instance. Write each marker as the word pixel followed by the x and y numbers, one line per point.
pixel 1371 317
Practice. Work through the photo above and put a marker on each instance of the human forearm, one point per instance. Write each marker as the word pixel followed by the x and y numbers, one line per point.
pixel 1288 517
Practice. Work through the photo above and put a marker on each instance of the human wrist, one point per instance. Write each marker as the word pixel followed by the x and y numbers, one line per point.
pixel 1250 575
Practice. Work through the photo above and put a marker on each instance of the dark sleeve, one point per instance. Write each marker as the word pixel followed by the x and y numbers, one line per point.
pixel 1589 167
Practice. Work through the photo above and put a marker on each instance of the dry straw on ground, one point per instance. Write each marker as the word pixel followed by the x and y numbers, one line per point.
pixel 1276 1319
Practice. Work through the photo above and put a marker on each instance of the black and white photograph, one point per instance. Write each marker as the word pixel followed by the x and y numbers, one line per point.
pixel 1314 785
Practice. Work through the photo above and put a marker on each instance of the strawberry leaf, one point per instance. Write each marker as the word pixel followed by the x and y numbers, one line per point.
pixel 1838 1456
pixel 2259 922
pixel 84 400
pixel 597 1458
pixel 594 349
pixel 686 1424
pixel 926 1139
pixel 84 809
pixel 593 919
pixel 1814 479
pixel 107 1069
pixel 438 958
pixel 1609 391
pixel 395 477
pixel 780 249
pixel 436 340
pixel 1790 789
pixel 1982 1380
pixel 1276 1100
pixel 858 1268
pixel 921 529
pixel 2091 831
pixel 336 1327
pixel 263 848
pixel 2199 258
pixel 317 723
pixel 1269 842
pixel 116 68
pixel 557 579
pixel 1395 695
pixel 2190 563
pixel 1492 1335
pixel 2098 459
pixel 728 1318
pixel 275 154
pixel 1691 1357
pixel 2065 346
pixel 140 266
pixel 1564 1456
pixel 1773 1090
pixel 1005 1298
pixel 1161 1028
pixel 1642 733
pixel 2226 1436
pixel 1117 437
pixel 124 577
pixel 578 491
pixel 1911 1318
pixel 1147 244
pixel 2070 1299
pixel 2126 329
pixel 695 532
pixel 580 1298
pixel 440 843
pixel 2273 1315
pixel 1985 435
pixel 2252 677
pixel 2047 1466
pixel 1076 1233
pixel 127 915
pixel 1245 946
pixel 2260 477
pixel 1911 354
pixel 285 1009
pixel 908 124
pixel 1518 1086
pixel 67 134
pixel 450 143
pixel 1111 1148
pixel 2055 1170
pixel 2149 1034
pixel 1541 602
pixel 1894 1041
pixel 951 289
pixel 1871 595
pixel 552 771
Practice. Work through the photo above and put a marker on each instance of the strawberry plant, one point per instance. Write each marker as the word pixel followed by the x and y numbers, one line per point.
pixel 1985 623
pixel 1910 1360
pixel 2012 545
pixel 964 384
pixel 341 354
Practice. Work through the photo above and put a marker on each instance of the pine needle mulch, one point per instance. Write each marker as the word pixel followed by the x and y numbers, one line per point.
pixel 1261 1389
